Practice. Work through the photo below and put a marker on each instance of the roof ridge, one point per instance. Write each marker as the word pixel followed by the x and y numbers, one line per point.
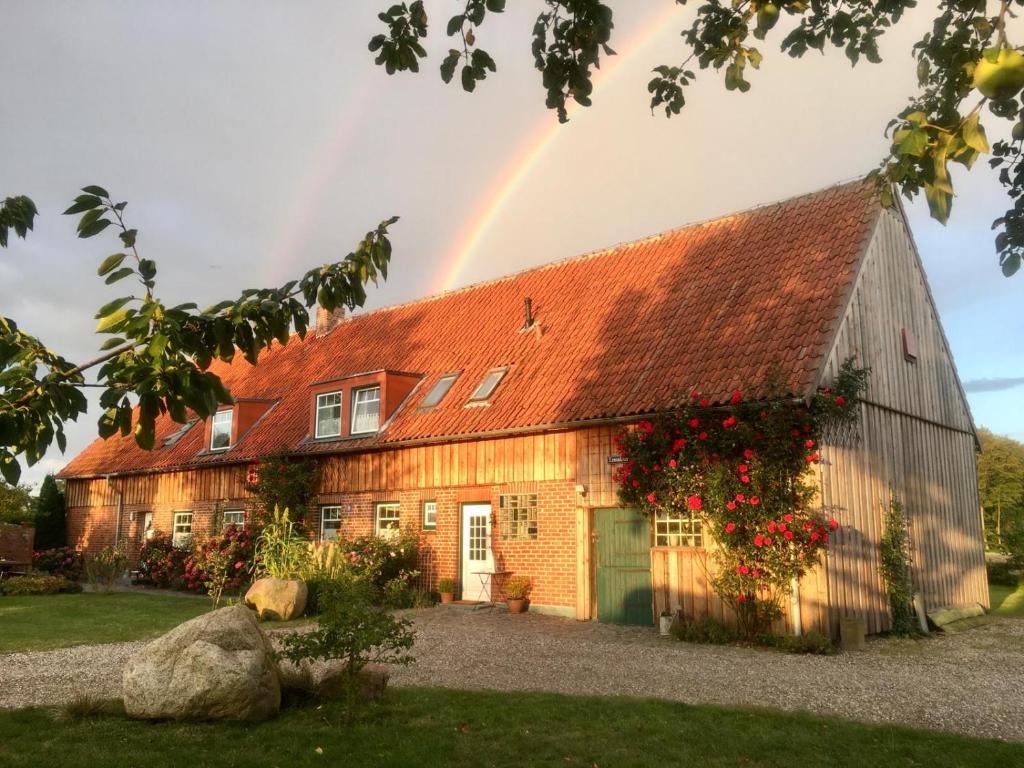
pixel 604 251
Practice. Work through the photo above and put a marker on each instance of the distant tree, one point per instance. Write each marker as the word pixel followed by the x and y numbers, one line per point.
pixel 155 358
pixel 16 503
pixel 964 64
pixel 1000 485
pixel 51 520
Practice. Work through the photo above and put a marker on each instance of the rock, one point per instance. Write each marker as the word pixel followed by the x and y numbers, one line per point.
pixel 326 679
pixel 219 666
pixel 278 599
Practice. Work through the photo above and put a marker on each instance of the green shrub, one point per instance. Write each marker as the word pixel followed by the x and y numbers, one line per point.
pixel 894 567
pixel 161 563
pixel 353 630
pixel 282 552
pixel 812 642
pixel 34 584
pixel 104 568
pixel 1013 542
pixel 1001 574
pixel 446 585
pixel 517 587
pixel 377 560
pixel 703 630
pixel 51 518
pixel 62 561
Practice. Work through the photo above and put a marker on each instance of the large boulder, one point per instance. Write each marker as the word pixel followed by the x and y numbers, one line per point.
pixel 278 599
pixel 327 679
pixel 219 666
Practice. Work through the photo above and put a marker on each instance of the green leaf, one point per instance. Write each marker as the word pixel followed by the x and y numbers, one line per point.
pixel 109 263
pixel 912 142
pixel 111 320
pixel 83 203
pixel 92 189
pixel 111 343
pixel 112 306
pixel 468 80
pixel 94 228
pixel 120 274
pixel 1010 264
pixel 973 133
pixel 157 346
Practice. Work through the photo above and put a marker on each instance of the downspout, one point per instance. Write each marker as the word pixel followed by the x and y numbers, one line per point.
pixel 120 509
pixel 794 607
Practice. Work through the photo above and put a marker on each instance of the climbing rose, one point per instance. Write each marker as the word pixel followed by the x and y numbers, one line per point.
pixel 747 453
pixel 704 403
pixel 759 540
pixel 742 569
pixel 695 395
pixel 771 527
pixel 788 518
pixel 736 396
pixel 833 524
pixel 740 497
pixel 730 505
pixel 694 423
pixel 745 479
pixel 809 444
pixel 703 436
pixel 742 468
pixel 239 564
pixel 651 497
pixel 694 502
pixel 672 463
pixel 730 527
pixel 741 598
pixel 755 500
pixel 840 400
pixel 731 421
pixel 788 535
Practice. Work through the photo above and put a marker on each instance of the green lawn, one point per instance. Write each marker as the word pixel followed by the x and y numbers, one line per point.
pixel 417 727
pixel 39 623
pixel 1006 601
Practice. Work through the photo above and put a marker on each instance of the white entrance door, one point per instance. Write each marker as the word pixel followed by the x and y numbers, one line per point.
pixel 477 558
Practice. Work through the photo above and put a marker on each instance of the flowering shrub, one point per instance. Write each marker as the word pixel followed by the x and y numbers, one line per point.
pixel 161 563
pixel 62 561
pixel 743 469
pixel 377 560
pixel 228 556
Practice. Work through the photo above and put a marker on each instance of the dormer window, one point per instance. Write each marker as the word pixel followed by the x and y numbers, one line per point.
pixel 365 410
pixel 220 431
pixel 439 390
pixel 328 414
pixel 488 385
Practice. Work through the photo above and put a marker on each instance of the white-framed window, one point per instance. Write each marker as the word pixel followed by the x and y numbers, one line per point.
pixel 365 410
pixel 330 522
pixel 487 386
pixel 220 431
pixel 234 517
pixel 147 526
pixel 388 525
pixel 429 515
pixel 676 529
pixel 328 414
pixel 181 533
pixel 439 390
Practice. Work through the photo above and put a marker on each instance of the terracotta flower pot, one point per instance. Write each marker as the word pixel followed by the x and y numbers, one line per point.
pixel 447 597
pixel 518 604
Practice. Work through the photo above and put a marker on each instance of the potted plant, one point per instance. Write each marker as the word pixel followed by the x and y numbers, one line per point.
pixel 516 590
pixel 665 623
pixel 447 589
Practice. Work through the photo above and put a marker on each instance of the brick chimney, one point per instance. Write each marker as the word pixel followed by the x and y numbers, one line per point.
pixel 327 321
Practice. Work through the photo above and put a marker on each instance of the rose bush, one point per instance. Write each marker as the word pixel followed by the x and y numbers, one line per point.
pixel 742 467
pixel 61 561
pixel 161 563
pixel 236 544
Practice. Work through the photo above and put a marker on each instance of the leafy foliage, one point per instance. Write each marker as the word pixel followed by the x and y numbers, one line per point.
pixel 16 504
pixel 281 551
pixel 517 587
pixel 1001 487
pixel 156 357
pixel 35 584
pixel 742 469
pixel 61 561
pixel 161 563
pixel 105 567
pixel 282 482
pixel 894 566
pixel 353 630
pixel 51 517
pixel 964 64
pixel 221 563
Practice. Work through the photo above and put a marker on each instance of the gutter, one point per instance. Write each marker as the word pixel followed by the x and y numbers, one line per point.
pixel 120 508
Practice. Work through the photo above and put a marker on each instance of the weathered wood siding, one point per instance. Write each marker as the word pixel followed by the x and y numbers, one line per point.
pixel 916 437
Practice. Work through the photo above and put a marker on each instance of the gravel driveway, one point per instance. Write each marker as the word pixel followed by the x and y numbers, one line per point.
pixel 972 683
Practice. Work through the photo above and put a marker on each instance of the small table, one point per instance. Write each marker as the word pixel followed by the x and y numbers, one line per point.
pixel 486 577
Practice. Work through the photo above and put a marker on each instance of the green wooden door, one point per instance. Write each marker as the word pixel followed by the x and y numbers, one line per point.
pixel 624 594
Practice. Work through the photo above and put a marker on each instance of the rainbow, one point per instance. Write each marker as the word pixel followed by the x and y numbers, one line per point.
pixel 530 153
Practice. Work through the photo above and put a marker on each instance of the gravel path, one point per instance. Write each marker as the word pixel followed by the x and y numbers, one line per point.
pixel 972 683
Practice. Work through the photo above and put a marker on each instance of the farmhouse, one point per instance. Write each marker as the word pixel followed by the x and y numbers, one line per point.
pixel 484 418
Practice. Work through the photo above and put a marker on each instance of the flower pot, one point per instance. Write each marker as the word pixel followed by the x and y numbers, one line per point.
pixel 665 624
pixel 447 597
pixel 518 604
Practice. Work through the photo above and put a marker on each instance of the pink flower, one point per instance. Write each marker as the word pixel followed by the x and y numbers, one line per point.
pixel 730 527
pixel 239 564
pixel 651 498
pixel 745 479
pixel 740 497
pixel 672 463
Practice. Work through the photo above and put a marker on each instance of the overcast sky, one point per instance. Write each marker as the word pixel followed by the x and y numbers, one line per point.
pixel 256 139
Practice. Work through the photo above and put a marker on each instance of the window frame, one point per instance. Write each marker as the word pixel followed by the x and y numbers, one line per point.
pixel 429 525
pixel 174 528
pixel 323 519
pixel 356 391
pixel 224 518
pixel 477 397
pixel 449 377
pixel 213 429
pixel 686 529
pixel 317 407
pixel 391 532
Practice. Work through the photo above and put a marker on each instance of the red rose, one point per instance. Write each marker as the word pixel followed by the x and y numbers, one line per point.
pixel 730 505
pixel 771 527
pixel 736 396
pixel 703 436
pixel 731 421
pixel 740 497
pixel 833 524
pixel 815 536
pixel 809 444
pixel 759 540
pixel 730 527
pixel 788 535
pixel 824 538
pixel 741 598
pixel 840 400
pixel 239 564
pixel 813 457
pixel 755 500
pixel 695 395
pixel 704 403
pixel 745 479
pixel 788 518
pixel 651 498
pixel 808 526
pixel 767 541
pixel 743 570
pixel 756 573
pixel 694 502
pixel 747 453
pixel 672 463
pixel 657 467
pixel 742 468
pixel 694 423
pixel 781 526
pixel 636 483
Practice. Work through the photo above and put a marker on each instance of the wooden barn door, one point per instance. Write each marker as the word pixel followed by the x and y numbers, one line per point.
pixel 624 594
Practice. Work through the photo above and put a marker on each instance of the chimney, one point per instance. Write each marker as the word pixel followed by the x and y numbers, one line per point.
pixel 327 321
pixel 528 310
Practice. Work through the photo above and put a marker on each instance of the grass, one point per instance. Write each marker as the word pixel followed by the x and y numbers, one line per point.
pixel 1006 601
pixel 44 622
pixel 415 727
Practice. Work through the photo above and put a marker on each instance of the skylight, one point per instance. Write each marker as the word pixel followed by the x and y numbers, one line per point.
pixel 488 385
pixel 439 390
pixel 174 437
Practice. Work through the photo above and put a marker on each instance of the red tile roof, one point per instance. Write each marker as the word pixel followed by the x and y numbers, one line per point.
pixel 626 331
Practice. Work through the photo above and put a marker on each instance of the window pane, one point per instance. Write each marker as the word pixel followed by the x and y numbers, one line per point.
pixel 366 410
pixel 328 414
pixel 234 517
pixel 430 514
pixel 182 533
pixel 387 520
pixel 330 523
pixel 488 385
pixel 438 391
pixel 517 517
pixel 220 432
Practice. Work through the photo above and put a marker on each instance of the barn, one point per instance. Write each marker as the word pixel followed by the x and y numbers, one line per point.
pixel 483 418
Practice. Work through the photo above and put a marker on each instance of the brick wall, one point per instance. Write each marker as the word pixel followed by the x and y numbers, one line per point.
pixel 16 542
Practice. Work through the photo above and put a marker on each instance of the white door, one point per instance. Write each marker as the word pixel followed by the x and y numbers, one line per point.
pixel 477 558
